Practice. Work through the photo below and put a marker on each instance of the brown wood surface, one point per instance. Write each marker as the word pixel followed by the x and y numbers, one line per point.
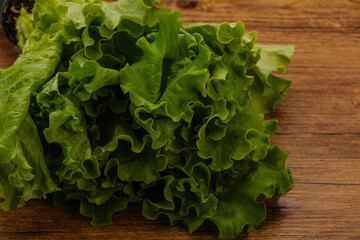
pixel 319 126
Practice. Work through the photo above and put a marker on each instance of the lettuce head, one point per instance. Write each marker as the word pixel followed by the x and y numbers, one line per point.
pixel 118 105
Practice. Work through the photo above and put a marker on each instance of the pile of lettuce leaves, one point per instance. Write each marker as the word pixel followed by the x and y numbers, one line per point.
pixel 120 105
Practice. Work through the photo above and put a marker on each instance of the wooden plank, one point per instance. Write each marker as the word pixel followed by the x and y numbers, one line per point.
pixel 8 52
pixel 313 211
pixel 321 131
pixel 308 212
pixel 319 126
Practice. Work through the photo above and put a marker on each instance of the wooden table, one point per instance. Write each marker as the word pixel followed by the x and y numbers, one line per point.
pixel 319 126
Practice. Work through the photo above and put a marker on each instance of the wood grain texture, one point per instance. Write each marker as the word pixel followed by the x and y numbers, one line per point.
pixel 319 126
